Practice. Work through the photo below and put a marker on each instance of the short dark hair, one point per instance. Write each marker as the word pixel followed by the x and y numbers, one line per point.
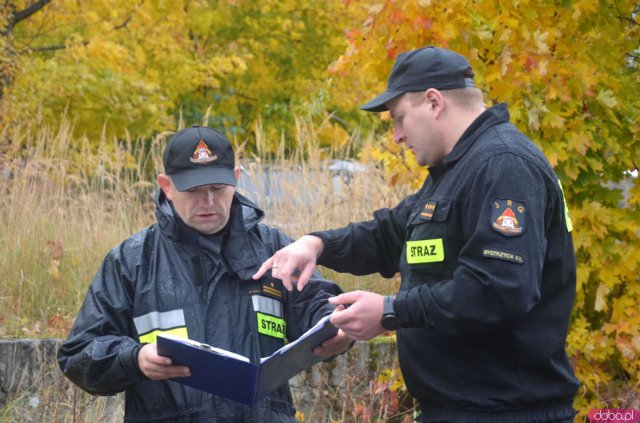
pixel 462 97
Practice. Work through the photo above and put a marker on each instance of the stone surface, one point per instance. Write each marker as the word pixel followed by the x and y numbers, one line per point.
pixel 25 364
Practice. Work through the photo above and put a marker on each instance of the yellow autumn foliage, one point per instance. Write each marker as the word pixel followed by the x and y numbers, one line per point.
pixel 267 71
pixel 138 68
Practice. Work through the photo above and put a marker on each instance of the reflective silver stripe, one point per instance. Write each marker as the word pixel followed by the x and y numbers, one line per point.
pixel 158 320
pixel 267 305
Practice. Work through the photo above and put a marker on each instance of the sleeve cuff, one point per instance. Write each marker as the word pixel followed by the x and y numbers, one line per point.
pixel 129 362
pixel 327 241
pixel 403 305
pixel 401 309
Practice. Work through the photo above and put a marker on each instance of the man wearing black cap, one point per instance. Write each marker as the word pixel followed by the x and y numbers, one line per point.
pixel 484 250
pixel 189 275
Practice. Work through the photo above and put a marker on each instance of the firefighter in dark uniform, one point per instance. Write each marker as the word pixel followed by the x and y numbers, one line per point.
pixel 484 249
pixel 189 275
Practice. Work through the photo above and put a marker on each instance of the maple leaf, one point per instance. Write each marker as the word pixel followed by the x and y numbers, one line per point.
pixel 607 98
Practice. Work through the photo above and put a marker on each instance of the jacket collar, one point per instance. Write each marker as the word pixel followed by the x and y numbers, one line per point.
pixel 244 216
pixel 234 243
pixel 487 119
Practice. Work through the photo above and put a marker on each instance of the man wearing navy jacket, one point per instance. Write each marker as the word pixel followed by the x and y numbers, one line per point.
pixel 190 275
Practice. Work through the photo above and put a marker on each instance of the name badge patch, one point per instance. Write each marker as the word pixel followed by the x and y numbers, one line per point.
pixel 271 325
pixel 503 255
pixel 425 251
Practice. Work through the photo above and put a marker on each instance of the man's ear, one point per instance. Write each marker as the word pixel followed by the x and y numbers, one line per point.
pixel 164 182
pixel 434 99
pixel 236 170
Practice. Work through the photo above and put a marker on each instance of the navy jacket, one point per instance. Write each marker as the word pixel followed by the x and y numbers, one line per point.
pixel 170 278
pixel 488 279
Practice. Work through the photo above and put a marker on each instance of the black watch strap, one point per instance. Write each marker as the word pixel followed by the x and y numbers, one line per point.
pixel 389 319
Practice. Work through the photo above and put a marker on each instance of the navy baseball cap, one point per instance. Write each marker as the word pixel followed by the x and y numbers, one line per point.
pixel 199 156
pixel 421 69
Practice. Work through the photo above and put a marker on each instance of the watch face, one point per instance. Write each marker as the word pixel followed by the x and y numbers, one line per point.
pixel 390 322
pixel 389 319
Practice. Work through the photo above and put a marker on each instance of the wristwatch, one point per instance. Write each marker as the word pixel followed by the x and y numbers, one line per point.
pixel 389 319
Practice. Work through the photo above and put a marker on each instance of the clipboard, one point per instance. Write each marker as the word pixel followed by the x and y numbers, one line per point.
pixel 234 376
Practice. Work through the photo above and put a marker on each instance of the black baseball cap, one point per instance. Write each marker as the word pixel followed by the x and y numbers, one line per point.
pixel 199 156
pixel 421 69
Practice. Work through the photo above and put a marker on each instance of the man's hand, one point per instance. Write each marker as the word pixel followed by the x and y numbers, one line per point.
pixel 294 263
pixel 157 367
pixel 361 320
pixel 334 346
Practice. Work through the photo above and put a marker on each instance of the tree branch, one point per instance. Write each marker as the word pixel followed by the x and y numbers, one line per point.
pixel 25 13
pixel 54 47
pixel 45 48
pixel 123 24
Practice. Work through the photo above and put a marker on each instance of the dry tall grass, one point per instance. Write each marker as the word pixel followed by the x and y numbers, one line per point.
pixel 65 205
pixel 68 202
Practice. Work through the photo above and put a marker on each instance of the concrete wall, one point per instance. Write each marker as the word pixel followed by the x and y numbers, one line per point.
pixel 32 387
pixel 21 364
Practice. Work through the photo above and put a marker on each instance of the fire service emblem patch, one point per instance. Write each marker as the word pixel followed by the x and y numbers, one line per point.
pixel 508 217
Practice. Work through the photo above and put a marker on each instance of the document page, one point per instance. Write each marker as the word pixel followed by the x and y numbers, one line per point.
pixel 316 328
pixel 207 347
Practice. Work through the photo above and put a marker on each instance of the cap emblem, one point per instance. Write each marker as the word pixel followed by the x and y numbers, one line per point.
pixel 202 154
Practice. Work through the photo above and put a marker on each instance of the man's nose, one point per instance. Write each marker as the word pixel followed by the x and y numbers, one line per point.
pixel 208 196
pixel 398 136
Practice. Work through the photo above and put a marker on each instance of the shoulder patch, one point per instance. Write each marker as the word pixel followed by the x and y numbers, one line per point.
pixel 507 217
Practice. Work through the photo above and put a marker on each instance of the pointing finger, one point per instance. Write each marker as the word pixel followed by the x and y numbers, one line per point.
pixel 268 264
pixel 304 276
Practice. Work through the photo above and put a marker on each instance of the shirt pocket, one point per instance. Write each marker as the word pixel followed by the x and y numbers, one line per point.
pixel 426 254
